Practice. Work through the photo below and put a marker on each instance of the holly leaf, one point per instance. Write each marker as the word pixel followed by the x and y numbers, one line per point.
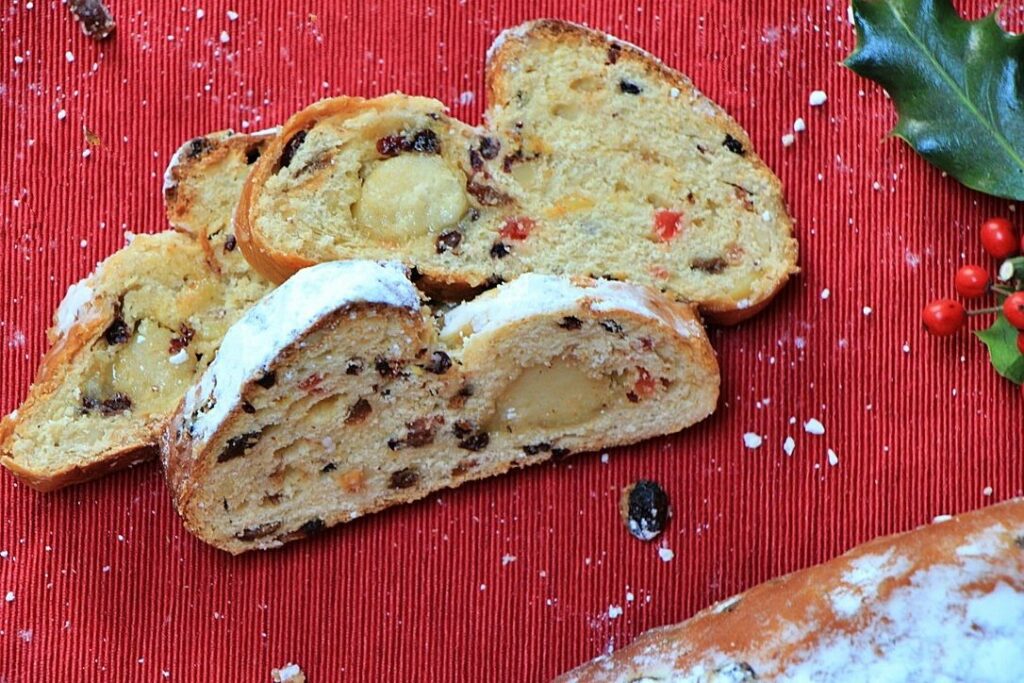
pixel 956 85
pixel 1001 340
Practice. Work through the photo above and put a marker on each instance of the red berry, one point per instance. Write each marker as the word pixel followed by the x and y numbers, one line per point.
pixel 998 238
pixel 667 224
pixel 943 317
pixel 1020 342
pixel 971 281
pixel 1013 309
pixel 517 227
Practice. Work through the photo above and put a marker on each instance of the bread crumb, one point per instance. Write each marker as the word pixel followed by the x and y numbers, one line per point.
pixel 817 98
pixel 752 440
pixel 814 426
pixel 289 673
pixel 799 126
pixel 69 56
pixel 614 611
pixel 224 37
pixel 666 554
pixel 232 15
pixel 938 519
pixel 833 458
pixel 788 139
pixel 789 445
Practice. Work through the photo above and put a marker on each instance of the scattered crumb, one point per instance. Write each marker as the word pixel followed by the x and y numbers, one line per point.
pixel 833 458
pixel 814 426
pixel 70 56
pixel 799 126
pixel 752 440
pixel 630 597
pixel 232 15
pixel 614 611
pixel 9 597
pixel 937 519
pixel 987 491
pixel 825 293
pixel 224 37
pixel 466 98
pixel 788 139
pixel 789 445
pixel 508 559
pixel 666 554
pixel 200 14
pixel 817 98
pixel 61 115
pixel 867 310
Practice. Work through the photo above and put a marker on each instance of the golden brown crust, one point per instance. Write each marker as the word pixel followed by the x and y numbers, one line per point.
pixel 751 625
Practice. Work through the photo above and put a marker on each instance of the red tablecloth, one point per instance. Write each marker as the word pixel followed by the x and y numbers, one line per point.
pixel 514 577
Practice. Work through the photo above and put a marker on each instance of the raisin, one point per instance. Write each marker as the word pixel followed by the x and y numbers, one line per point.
pixel 329 467
pixel 230 243
pixel 354 366
pixel 559 452
pixel 94 17
pixel 197 147
pixel 487 195
pixel 500 250
pixel 421 431
pixel 712 266
pixel 475 442
pixel 449 240
pixel 611 326
pixel 389 145
pixel 645 509
pixel 117 332
pixel 425 142
pixel 238 445
pixel 570 322
pixel 184 338
pixel 254 532
pixel 736 672
pixel 476 162
pixel 385 367
pixel 252 155
pixel 248 408
pixel 268 379
pixel 629 87
pixel 733 145
pixel 489 147
pixel 457 401
pixel 290 148
pixel 312 527
pixel 461 428
pixel 118 403
pixel 440 363
pixel 359 411
pixel 311 383
pixel 512 159
pixel 403 479
pixel 463 466
pixel 613 53
pixel 1019 541
pixel 534 449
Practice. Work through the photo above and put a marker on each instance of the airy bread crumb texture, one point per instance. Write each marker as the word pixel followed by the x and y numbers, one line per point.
pixel 596 160
pixel 380 404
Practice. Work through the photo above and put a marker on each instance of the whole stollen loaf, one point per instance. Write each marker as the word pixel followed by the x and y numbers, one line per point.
pixel 339 394
pixel 942 603
pixel 596 159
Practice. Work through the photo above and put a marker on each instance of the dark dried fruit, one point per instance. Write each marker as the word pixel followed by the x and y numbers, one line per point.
pixel 462 427
pixel 570 322
pixel 489 147
pixel 613 53
pixel 117 332
pixel 487 195
pixel 254 532
pixel 184 338
pixel 312 527
pixel 612 326
pixel 359 411
pixel 733 145
pixel 403 479
pixel 230 243
pixel 290 148
pixel 645 509
pixel 390 145
pixel 476 162
pixel 118 403
pixel 425 142
pixel 629 87
pixel 559 452
pixel 421 431
pixel 534 449
pixel 354 366
pixel 500 250
pixel 475 442
pixel 459 400
pixel 448 241
pixel 252 155
pixel 712 266
pixel 311 383
pixel 329 467
pixel 511 159
pixel 440 363
pixel 736 672
pixel 268 379
pixel 248 408
pixel 197 147
pixel 94 17
pixel 387 368
pixel 238 445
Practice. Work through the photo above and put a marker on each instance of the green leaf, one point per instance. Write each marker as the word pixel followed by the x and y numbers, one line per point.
pixel 1001 340
pixel 956 85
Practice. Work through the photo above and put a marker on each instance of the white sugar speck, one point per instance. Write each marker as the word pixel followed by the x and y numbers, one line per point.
pixel 224 37
pixel 61 115
pixel 178 358
pixel 814 426
pixel 70 56
pixel 83 244
pixel 200 14
pixel 906 347
pixel 467 97
pixel 752 440
pixel 788 139
pixel 9 597
pixel 630 597
pixel 938 519
pixel 507 560
pixel 483 586
pixel 25 634
pixel 833 458
pixel 817 98
pixel 614 611
pixel 799 126
pixel 232 15
pixel 987 491
pixel 673 93
pixel 867 310
pixel 666 554
pixel 789 445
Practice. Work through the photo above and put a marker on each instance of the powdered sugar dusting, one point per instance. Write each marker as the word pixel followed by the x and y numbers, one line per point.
pixel 78 295
pixel 278 319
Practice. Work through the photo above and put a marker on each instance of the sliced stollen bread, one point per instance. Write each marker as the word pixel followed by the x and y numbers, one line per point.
pixel 130 338
pixel 338 394
pixel 944 602
pixel 597 159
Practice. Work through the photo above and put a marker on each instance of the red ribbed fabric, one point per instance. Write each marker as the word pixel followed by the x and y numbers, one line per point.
pixel 512 578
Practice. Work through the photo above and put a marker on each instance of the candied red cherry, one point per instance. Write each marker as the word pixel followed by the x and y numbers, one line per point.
pixel 1013 309
pixel 971 281
pixel 998 238
pixel 667 224
pixel 943 317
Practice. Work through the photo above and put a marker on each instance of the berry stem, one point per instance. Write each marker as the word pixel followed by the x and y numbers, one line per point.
pixel 1005 291
pixel 985 311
